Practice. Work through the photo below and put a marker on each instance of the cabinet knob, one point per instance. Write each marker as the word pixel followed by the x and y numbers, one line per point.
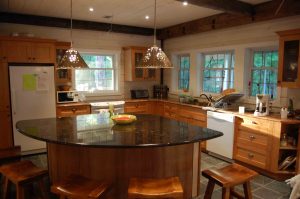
pixel 29 58
pixel 33 58
pixel 252 137
pixel 74 109
pixel 4 57
pixel 250 155
pixel 253 122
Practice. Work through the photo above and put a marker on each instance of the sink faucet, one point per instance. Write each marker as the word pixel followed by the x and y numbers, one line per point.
pixel 209 98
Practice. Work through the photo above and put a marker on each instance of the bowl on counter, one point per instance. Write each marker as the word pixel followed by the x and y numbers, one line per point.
pixel 123 119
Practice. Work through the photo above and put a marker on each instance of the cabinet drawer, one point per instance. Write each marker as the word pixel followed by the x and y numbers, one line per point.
pixel 171 107
pixel 252 124
pixel 72 110
pixel 251 158
pixel 136 108
pixel 257 142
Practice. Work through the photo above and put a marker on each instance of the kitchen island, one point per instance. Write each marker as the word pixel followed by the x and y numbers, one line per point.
pixel 93 146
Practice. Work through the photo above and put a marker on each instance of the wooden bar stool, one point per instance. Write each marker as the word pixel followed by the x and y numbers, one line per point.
pixel 75 186
pixel 228 177
pixel 21 174
pixel 155 188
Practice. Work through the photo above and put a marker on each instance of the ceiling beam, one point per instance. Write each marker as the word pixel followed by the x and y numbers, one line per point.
pixel 229 6
pixel 266 11
pixel 77 24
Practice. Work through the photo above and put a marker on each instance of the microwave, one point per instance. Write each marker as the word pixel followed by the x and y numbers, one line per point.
pixel 67 96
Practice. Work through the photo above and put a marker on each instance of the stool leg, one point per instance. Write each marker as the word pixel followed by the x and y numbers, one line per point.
pixel 247 190
pixel 209 189
pixel 20 192
pixel 225 193
pixel 5 186
pixel 43 189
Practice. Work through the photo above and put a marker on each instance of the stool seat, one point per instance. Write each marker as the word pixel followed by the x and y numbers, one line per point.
pixel 79 187
pixel 155 188
pixel 228 177
pixel 22 173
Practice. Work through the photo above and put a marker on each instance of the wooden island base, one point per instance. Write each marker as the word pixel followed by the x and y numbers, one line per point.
pixel 118 165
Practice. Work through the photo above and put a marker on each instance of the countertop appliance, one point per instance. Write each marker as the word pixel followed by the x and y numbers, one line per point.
pixel 160 91
pixel 67 96
pixel 32 97
pixel 262 105
pixel 221 147
pixel 99 107
pixel 139 94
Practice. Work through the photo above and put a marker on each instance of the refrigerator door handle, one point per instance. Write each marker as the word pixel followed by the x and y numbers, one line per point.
pixel 14 106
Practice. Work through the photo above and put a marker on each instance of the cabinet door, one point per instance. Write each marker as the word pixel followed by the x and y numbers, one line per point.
pixel 289 59
pixel 137 57
pixel 17 51
pixel 2 53
pixel 43 52
pixel 6 140
pixel 4 87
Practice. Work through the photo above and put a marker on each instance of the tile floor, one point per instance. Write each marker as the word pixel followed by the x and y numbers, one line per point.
pixel 262 187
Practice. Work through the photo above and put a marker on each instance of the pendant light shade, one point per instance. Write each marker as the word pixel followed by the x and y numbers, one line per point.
pixel 71 58
pixel 155 57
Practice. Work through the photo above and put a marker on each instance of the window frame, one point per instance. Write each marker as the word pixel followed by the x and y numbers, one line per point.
pixel 179 70
pixel 251 68
pixel 116 68
pixel 203 54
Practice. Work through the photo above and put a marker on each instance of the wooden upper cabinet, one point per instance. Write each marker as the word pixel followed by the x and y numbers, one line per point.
pixel 133 58
pixel 19 50
pixel 289 59
pixel 4 87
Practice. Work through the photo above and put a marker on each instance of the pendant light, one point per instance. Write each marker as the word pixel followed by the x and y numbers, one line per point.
pixel 72 58
pixel 155 57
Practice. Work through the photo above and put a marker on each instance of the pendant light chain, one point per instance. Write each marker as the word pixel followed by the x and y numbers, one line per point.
pixel 154 23
pixel 71 14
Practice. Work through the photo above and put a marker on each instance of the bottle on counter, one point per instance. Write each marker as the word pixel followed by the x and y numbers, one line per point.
pixel 111 110
pixel 283 113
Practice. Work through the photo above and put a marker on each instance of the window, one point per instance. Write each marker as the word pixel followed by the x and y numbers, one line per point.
pixel 218 72
pixel 184 72
pixel 100 76
pixel 264 72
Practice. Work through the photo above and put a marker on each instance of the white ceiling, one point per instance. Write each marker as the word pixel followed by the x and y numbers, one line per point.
pixel 126 12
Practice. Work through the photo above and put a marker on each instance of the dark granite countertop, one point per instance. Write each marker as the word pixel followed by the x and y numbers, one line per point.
pixel 98 130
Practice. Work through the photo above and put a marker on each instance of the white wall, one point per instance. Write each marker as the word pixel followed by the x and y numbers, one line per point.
pixel 239 39
pixel 93 40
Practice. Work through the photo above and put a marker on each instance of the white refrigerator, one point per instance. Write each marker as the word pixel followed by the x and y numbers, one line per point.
pixel 32 97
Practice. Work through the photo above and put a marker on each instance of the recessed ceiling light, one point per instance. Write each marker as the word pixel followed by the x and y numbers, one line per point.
pixel 185 3
pixel 147 17
pixel 91 9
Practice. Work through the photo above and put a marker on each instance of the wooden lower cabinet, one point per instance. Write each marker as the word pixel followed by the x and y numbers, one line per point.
pixel 192 115
pixel 72 110
pixel 140 107
pixel 6 135
pixel 253 141
pixel 171 111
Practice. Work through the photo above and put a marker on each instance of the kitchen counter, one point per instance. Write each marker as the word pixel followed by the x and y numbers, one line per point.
pixel 92 146
pixel 272 117
pixel 73 104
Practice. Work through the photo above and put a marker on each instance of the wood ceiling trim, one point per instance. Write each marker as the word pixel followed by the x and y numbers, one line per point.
pixel 231 6
pixel 77 24
pixel 265 11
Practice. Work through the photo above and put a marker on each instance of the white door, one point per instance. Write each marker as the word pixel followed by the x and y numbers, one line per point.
pixel 32 97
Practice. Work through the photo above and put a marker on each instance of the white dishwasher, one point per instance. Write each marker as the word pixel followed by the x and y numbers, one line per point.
pixel 223 122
